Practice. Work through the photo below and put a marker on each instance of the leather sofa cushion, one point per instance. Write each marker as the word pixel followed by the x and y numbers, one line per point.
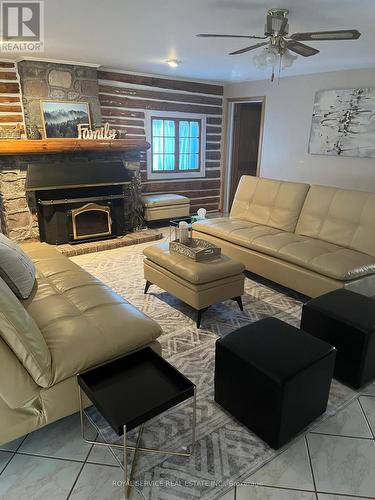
pixel 316 255
pixel 191 271
pixel 269 202
pixel 237 231
pixel 162 200
pixel 339 216
pixel 84 323
pixel 16 268
pixel 17 388
pixel 20 332
pixel 320 256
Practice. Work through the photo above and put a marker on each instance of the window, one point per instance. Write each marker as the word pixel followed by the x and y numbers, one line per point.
pixel 175 145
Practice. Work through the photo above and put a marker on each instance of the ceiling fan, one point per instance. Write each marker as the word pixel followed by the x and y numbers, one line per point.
pixel 277 39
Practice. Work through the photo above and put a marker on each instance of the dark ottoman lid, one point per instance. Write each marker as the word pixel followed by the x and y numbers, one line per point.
pixel 348 307
pixel 275 348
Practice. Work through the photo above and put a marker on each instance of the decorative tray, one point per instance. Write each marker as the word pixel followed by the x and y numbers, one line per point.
pixel 196 249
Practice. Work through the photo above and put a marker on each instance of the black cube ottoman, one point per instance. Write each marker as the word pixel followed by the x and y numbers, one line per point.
pixel 346 320
pixel 273 378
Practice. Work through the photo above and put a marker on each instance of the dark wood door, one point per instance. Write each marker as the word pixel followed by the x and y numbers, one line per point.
pixel 246 136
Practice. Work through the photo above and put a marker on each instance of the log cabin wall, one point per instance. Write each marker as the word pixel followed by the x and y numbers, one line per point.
pixel 125 98
pixel 11 113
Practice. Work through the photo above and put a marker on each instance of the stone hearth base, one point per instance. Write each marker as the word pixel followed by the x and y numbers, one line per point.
pixel 99 246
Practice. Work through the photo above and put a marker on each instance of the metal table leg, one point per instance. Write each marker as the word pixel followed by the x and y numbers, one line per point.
pixel 125 462
pixel 125 447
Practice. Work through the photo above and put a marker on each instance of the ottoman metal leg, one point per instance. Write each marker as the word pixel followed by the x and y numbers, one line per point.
pixel 147 286
pixel 199 315
pixel 239 302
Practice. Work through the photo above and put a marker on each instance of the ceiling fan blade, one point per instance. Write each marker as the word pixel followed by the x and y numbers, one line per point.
pixel 327 35
pixel 213 35
pixel 247 49
pixel 301 49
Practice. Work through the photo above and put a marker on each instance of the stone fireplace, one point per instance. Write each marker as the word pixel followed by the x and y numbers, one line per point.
pixel 19 207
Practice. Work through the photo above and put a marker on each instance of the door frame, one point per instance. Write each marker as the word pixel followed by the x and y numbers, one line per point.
pixel 229 141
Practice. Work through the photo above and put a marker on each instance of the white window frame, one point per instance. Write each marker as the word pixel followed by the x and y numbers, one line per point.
pixel 175 175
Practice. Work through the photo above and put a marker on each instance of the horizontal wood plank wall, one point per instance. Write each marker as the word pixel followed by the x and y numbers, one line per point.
pixel 124 99
pixel 11 113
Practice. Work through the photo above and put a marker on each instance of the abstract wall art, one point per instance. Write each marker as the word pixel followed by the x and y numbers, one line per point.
pixel 343 123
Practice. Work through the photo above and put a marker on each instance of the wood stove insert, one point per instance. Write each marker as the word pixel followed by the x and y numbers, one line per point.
pixel 78 201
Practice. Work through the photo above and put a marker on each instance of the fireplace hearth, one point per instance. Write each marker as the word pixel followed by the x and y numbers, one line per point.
pixel 77 202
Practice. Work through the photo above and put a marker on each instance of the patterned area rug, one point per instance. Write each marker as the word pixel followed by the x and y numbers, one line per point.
pixel 226 451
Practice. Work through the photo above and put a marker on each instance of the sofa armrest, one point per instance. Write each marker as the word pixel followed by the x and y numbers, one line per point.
pixel 17 388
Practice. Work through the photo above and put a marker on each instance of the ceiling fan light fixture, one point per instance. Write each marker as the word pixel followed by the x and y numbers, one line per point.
pixel 287 59
pixel 275 58
pixel 267 58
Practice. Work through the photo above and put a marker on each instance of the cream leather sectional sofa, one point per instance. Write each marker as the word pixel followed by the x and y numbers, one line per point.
pixel 79 323
pixel 312 239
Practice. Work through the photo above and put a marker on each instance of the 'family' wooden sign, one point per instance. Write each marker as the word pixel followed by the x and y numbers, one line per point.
pixel 104 132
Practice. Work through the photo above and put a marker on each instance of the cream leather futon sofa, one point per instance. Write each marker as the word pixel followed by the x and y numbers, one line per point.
pixel 312 239
pixel 80 323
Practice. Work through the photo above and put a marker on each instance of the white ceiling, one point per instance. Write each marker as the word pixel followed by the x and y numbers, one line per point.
pixel 139 35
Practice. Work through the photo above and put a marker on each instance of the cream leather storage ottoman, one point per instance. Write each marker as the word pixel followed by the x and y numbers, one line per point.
pixel 165 206
pixel 199 284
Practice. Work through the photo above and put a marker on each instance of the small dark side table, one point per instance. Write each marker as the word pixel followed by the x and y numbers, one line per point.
pixel 131 390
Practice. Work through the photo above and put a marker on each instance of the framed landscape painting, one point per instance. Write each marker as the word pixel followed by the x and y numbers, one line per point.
pixel 60 118
pixel 343 123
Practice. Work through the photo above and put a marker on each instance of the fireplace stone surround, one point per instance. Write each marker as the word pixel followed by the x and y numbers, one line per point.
pixel 18 213
pixel 41 80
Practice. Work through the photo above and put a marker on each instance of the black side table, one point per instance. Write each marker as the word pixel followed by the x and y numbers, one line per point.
pixel 131 390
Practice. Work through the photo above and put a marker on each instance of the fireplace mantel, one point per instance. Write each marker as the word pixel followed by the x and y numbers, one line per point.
pixel 46 146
